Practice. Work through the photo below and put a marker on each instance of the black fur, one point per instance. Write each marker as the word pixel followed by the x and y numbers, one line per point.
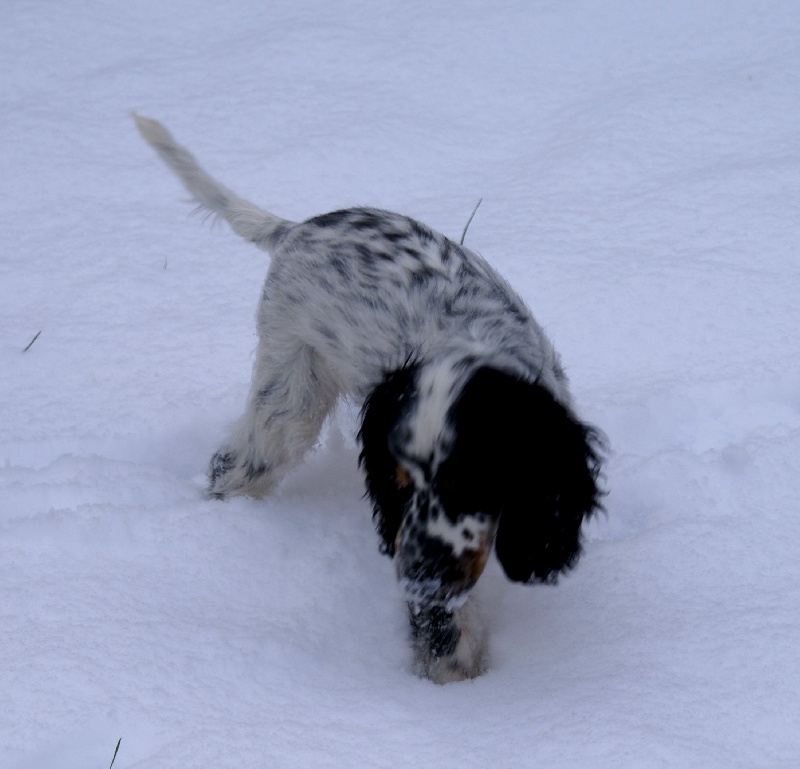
pixel 541 467
pixel 382 412
pixel 517 456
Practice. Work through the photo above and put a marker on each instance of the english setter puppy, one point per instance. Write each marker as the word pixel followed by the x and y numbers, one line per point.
pixel 468 435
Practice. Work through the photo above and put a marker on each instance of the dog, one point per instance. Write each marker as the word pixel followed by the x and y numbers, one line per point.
pixel 468 438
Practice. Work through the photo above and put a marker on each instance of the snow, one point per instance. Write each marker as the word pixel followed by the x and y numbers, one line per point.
pixel 640 176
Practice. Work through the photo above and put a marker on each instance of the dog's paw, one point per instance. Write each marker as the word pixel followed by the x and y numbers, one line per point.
pixel 231 473
pixel 220 466
pixel 465 662
pixel 448 646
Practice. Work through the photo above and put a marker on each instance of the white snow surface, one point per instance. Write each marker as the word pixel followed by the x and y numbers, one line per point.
pixel 639 165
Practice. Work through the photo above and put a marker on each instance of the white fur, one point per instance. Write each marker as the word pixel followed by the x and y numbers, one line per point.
pixel 436 387
pixel 342 305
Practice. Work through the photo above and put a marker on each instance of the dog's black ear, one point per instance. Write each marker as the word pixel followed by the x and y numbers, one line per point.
pixel 383 410
pixel 547 464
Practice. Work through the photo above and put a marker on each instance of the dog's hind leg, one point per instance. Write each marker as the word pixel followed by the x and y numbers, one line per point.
pixel 290 396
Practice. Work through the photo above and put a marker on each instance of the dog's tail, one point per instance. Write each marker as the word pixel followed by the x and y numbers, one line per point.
pixel 245 218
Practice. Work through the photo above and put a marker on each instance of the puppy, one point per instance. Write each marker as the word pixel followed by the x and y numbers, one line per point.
pixel 469 439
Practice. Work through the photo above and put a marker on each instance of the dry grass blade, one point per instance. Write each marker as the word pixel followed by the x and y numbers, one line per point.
pixel 469 221
pixel 32 341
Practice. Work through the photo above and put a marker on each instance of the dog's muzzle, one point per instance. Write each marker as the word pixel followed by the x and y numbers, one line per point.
pixel 438 562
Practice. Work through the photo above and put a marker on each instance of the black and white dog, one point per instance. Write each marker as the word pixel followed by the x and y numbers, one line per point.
pixel 468 435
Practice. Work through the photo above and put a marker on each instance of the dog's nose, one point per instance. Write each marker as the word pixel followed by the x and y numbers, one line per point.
pixel 439 559
pixel 428 560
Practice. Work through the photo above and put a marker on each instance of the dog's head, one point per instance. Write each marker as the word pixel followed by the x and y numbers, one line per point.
pixel 458 458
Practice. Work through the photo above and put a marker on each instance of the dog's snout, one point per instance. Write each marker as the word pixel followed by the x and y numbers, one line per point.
pixel 433 570
pixel 427 559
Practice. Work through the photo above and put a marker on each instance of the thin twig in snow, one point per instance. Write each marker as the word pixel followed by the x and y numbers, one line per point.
pixel 32 341
pixel 115 753
pixel 469 221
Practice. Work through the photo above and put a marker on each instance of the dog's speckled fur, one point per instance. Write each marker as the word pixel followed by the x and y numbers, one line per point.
pixel 468 436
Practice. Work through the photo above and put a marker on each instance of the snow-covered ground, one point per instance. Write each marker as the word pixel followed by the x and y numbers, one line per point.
pixel 639 165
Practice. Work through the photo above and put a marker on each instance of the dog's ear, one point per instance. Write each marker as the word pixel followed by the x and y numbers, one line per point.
pixel 546 463
pixel 383 410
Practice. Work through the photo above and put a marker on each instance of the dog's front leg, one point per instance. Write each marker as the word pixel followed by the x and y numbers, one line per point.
pixel 290 396
pixel 448 645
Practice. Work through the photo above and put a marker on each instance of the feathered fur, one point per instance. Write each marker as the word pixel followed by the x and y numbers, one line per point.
pixel 469 439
